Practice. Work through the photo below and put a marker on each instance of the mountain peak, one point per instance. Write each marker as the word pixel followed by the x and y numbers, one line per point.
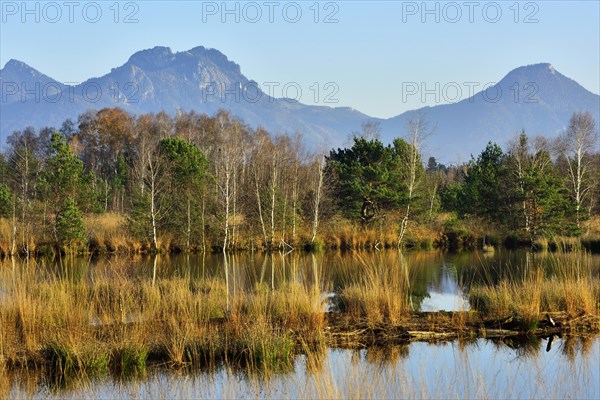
pixel 18 71
pixel 216 57
pixel 154 58
pixel 534 68
pixel 16 65
pixel 198 50
pixel 160 57
pixel 541 74
pixel 542 66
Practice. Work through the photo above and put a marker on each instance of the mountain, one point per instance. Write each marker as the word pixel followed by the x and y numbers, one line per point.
pixel 536 98
pixel 156 80
pixel 17 75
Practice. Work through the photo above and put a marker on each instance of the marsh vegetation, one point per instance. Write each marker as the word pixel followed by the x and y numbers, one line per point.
pixel 78 320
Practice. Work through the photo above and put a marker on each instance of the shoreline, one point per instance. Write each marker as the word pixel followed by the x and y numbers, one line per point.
pixel 338 332
pixel 54 250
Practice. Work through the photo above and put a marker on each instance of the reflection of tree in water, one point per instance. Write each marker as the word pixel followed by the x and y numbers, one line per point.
pixel 426 267
pixel 524 346
pixel 517 265
pixel 381 355
pixel 67 267
pixel 387 355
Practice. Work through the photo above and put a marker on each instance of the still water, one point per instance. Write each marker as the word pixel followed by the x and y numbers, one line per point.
pixel 479 369
pixel 565 368
pixel 438 280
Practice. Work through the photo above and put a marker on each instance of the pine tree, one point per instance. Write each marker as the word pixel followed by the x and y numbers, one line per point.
pixel 186 168
pixel 368 178
pixel 62 177
pixel 70 231
pixel 484 193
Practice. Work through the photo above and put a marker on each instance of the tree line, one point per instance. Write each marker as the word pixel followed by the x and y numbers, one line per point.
pixel 536 187
pixel 195 182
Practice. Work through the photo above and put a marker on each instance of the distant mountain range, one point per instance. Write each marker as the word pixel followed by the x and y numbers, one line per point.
pixel 536 98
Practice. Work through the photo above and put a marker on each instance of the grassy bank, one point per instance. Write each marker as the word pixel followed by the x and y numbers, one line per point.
pixel 108 234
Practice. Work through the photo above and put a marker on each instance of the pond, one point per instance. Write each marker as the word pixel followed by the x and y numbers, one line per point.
pixel 438 280
pixel 477 368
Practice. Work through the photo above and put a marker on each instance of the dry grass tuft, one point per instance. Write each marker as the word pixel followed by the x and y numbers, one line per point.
pixel 569 284
pixel 380 294
pixel 108 233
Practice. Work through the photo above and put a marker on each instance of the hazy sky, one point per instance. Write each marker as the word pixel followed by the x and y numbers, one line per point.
pixel 367 51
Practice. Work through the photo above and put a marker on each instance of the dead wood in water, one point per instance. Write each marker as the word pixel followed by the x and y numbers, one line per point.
pixel 420 336
pixel 445 326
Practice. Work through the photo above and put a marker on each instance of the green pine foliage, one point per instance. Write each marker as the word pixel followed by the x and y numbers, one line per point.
pixel 6 201
pixel 520 191
pixel 70 231
pixel 186 166
pixel 64 169
pixel 484 194
pixel 368 178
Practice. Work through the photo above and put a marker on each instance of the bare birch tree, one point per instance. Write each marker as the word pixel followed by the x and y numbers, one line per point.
pixel 318 195
pixel 577 145
pixel 520 158
pixel 418 131
pixel 227 161
pixel 261 146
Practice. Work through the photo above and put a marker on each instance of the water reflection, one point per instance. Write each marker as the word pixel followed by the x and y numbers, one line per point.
pixel 446 294
pixel 508 368
pixel 436 280
pixel 466 369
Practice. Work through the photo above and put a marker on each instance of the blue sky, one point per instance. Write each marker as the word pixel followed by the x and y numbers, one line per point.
pixel 368 50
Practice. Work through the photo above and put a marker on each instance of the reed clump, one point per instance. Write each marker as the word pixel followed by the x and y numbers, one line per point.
pixel 104 321
pixel 591 235
pixel 568 283
pixel 129 360
pixel 66 360
pixel 107 233
pixel 379 294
